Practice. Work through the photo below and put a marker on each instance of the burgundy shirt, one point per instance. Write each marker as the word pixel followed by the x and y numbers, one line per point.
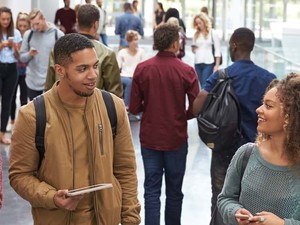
pixel 159 89
pixel 67 18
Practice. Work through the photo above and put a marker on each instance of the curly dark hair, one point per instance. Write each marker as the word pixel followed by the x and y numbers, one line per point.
pixel 68 44
pixel 289 95
pixel 165 35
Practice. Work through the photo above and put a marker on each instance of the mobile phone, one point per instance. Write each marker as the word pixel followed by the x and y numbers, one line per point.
pixel 88 189
pixel 11 38
pixel 33 49
pixel 242 216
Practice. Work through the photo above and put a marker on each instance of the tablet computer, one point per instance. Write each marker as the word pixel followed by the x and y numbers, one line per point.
pixel 88 189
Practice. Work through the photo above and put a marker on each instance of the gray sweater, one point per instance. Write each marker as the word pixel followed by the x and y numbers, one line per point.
pixel 37 66
pixel 264 187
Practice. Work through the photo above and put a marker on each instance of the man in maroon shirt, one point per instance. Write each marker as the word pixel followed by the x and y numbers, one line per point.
pixel 65 18
pixel 159 89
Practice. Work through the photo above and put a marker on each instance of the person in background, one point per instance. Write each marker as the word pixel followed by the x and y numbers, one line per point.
pixel 109 73
pixel 125 22
pixel 36 47
pixel 204 9
pixel 10 39
pixel 102 23
pixel 173 12
pixel 128 59
pixel 80 149
pixel 159 14
pixel 137 12
pixel 22 24
pixel 246 77
pixel 268 191
pixel 181 53
pixel 76 8
pixel 65 18
pixel 160 87
pixel 204 39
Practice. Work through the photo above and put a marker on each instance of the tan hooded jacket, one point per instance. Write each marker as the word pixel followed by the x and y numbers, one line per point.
pixel 110 161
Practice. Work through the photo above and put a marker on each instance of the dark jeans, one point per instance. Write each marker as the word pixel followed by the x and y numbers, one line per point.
pixel 103 39
pixel 33 93
pixel 23 96
pixel 8 82
pixel 126 81
pixel 173 164
pixel 219 164
pixel 203 71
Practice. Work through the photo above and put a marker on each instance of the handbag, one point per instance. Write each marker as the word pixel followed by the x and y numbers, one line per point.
pixel 213 50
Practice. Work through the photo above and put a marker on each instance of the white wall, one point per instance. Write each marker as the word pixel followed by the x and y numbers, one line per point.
pixel 17 6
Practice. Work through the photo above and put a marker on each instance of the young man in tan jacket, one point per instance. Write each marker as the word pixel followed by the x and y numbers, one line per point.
pixel 79 148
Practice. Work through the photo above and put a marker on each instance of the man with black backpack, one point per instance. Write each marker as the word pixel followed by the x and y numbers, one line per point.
pixel 249 82
pixel 80 147
pixel 36 46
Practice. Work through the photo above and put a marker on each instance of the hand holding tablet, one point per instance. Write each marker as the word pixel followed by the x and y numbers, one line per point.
pixel 88 189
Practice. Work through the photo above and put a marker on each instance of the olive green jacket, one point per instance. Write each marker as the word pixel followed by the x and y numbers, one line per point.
pixel 109 72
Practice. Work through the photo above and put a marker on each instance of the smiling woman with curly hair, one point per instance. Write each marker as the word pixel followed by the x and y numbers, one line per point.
pixel 268 191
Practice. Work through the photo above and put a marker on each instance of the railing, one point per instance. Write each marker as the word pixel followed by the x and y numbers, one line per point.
pixel 272 59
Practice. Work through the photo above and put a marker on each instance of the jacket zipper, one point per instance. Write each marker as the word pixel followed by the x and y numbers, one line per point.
pixel 101 138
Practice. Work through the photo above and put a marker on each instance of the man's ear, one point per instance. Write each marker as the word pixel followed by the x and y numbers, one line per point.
pixel 59 70
pixel 96 24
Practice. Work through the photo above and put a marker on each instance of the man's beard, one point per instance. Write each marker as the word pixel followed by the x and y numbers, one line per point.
pixel 77 92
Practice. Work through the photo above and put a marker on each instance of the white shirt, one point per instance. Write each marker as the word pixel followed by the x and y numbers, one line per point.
pixel 203 53
pixel 127 62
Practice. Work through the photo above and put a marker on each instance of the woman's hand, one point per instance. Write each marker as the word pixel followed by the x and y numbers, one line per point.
pixel 194 48
pixel 243 216
pixel 266 218
pixel 215 68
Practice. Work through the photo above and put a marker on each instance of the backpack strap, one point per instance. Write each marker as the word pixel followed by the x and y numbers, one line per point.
pixel 246 158
pixel 222 74
pixel 29 38
pixel 56 35
pixel 111 111
pixel 40 112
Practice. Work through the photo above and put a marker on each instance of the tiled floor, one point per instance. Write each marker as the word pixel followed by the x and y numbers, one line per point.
pixel 196 188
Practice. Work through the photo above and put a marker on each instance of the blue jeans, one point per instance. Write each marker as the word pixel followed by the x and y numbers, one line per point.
pixel 173 164
pixel 103 39
pixel 126 81
pixel 203 72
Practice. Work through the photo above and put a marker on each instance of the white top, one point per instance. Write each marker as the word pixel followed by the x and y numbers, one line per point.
pixel 127 62
pixel 203 53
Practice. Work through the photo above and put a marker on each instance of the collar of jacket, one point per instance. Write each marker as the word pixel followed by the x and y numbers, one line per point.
pixel 90 101
pixel 88 36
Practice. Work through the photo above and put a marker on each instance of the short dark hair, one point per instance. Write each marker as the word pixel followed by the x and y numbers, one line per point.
pixel 165 35
pixel 87 15
pixel 127 6
pixel 68 44
pixel 244 38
